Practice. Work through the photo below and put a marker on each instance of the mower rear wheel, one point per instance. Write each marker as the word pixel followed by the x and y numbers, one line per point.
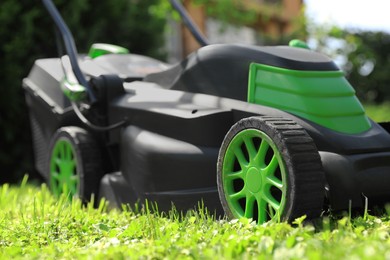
pixel 74 163
pixel 269 169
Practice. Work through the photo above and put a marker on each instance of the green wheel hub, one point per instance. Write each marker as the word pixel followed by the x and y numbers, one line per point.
pixel 254 177
pixel 63 169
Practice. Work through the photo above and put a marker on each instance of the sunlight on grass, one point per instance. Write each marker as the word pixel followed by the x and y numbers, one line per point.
pixel 36 225
pixel 378 113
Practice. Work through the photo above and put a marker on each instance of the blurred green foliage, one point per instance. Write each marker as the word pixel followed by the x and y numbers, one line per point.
pixel 228 11
pixel 368 65
pixel 378 112
pixel 363 55
pixel 237 13
pixel 27 33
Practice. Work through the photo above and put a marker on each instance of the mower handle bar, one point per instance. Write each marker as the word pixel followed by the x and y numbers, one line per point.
pixel 189 23
pixel 70 46
pixel 71 49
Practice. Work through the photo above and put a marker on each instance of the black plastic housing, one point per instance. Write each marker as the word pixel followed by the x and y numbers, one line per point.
pixel 177 119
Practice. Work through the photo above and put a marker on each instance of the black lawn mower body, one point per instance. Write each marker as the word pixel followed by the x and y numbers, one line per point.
pixel 177 117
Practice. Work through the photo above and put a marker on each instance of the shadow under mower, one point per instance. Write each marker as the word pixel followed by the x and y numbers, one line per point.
pixel 258 132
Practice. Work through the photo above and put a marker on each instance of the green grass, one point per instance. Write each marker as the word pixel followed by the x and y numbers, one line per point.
pixel 379 113
pixel 33 224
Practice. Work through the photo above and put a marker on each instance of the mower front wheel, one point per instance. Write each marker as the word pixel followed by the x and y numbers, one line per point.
pixel 269 168
pixel 74 163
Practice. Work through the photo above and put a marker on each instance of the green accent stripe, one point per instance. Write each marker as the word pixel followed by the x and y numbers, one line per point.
pixel 323 97
pixel 99 49
pixel 74 91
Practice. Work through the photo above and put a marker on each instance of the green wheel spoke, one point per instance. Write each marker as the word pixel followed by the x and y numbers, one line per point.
pixel 72 183
pixel 68 153
pixel 240 157
pixel 271 200
pixel 235 175
pixel 72 166
pixel 275 182
pixel 58 161
pixel 64 187
pixel 72 187
pixel 262 214
pixel 55 175
pixel 238 195
pixel 264 146
pixel 74 178
pixel 249 206
pixel 55 188
pixel 62 150
pixel 271 211
pixel 272 166
pixel 250 147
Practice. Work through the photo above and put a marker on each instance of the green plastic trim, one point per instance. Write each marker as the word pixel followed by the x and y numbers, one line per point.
pixel 99 49
pixel 299 44
pixel 258 176
pixel 75 91
pixel 63 169
pixel 323 97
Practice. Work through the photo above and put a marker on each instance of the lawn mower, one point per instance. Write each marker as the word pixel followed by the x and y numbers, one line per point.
pixel 252 131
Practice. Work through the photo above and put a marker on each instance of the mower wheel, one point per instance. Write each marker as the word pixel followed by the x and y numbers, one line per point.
pixel 269 168
pixel 74 163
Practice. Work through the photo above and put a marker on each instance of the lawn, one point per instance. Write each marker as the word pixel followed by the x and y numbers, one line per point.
pixel 34 224
pixel 379 113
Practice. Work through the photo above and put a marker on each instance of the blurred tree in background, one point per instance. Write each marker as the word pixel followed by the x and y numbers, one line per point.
pixel 260 17
pixel 368 66
pixel 363 55
pixel 27 33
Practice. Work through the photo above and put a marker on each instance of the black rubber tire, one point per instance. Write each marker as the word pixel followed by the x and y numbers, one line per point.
pixel 305 175
pixel 88 158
